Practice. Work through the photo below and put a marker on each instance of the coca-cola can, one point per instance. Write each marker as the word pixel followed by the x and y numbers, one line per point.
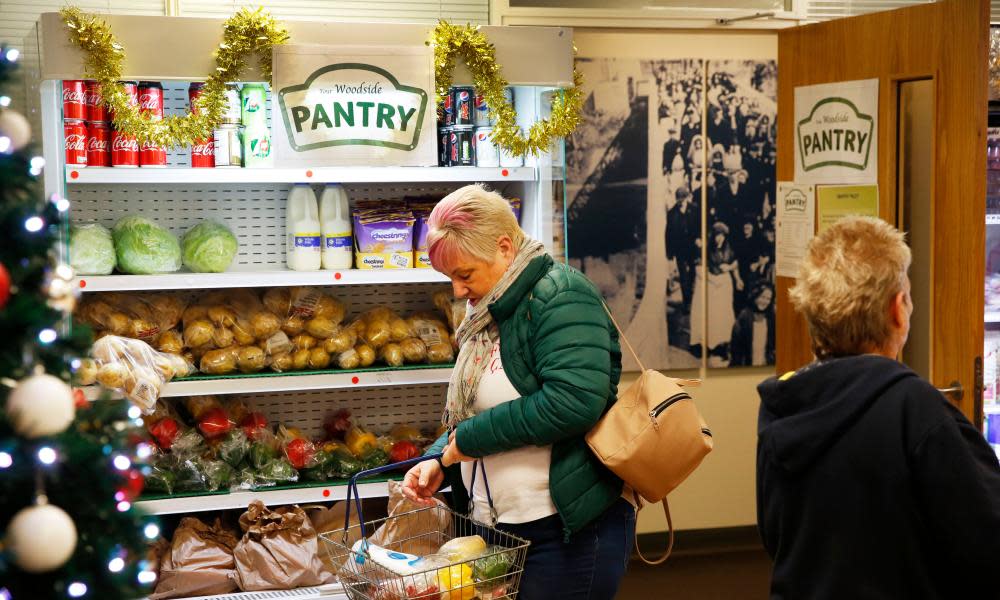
pixel 96 109
pixel 76 142
pixel 151 99
pixel 124 150
pixel 152 155
pixel 203 153
pixel 75 99
pixel 194 92
pixel 132 89
pixel 98 144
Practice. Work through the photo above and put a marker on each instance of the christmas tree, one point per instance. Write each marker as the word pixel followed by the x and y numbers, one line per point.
pixel 67 527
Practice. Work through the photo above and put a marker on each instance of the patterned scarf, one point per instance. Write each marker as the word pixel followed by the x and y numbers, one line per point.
pixel 476 336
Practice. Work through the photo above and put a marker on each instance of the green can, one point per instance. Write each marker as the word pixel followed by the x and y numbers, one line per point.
pixel 253 100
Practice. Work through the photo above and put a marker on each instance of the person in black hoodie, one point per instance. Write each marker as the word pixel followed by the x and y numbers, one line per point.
pixel 869 483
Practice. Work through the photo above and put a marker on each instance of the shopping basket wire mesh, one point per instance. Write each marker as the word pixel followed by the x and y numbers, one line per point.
pixel 492 575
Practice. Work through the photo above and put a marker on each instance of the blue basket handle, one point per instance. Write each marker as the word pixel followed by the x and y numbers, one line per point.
pixel 352 488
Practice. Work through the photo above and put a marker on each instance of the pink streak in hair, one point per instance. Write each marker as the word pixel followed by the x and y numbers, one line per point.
pixel 445 218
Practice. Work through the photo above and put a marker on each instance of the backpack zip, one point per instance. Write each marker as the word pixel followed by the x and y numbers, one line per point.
pixel 662 406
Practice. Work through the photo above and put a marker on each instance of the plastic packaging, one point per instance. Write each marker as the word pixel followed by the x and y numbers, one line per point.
pixel 494 564
pixel 335 221
pixel 140 316
pixel 435 336
pixel 399 563
pixel 134 368
pixel 302 228
pixel 453 308
pixel 91 250
pixel 461 549
pixel 143 247
pixel 208 247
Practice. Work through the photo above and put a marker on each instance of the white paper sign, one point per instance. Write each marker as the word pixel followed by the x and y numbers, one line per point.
pixel 796 222
pixel 354 105
pixel 836 132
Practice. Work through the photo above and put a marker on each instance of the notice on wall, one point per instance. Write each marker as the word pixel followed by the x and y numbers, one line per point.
pixel 796 221
pixel 836 132
pixel 353 105
pixel 834 202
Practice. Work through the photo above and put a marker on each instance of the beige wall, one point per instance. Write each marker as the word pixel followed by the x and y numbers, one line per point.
pixel 721 492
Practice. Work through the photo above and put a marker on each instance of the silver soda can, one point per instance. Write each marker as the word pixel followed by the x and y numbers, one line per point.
pixel 228 146
pixel 481 114
pixel 510 160
pixel 444 146
pixel 234 106
pixel 487 154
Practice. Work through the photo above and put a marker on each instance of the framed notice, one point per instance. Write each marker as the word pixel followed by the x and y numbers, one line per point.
pixel 834 202
pixel 836 132
pixel 353 105
pixel 796 221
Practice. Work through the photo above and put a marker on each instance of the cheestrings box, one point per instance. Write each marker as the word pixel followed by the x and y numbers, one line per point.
pixel 383 239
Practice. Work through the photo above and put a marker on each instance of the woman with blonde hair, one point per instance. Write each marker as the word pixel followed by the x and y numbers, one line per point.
pixel 869 483
pixel 538 365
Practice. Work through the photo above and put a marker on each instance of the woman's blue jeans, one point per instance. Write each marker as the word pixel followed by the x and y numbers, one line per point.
pixel 588 567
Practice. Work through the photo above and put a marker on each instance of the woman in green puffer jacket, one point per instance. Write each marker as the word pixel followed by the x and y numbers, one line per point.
pixel 538 366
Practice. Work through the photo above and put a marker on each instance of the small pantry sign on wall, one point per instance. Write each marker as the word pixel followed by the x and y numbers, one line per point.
pixel 353 105
pixel 836 132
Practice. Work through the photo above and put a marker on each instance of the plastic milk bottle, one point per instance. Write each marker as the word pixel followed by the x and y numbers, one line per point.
pixel 303 230
pixel 335 218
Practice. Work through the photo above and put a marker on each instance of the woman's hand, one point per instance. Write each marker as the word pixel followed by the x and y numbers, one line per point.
pixel 452 454
pixel 422 481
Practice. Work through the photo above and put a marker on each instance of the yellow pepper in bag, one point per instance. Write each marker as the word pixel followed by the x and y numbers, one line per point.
pixel 456 582
pixel 360 441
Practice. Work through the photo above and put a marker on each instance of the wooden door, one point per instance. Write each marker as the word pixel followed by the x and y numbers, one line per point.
pixel 944 44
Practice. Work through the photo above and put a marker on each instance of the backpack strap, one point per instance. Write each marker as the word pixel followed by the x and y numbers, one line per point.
pixel 670 543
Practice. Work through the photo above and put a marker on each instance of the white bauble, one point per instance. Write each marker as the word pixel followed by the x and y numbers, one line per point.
pixel 41 538
pixel 14 126
pixel 40 405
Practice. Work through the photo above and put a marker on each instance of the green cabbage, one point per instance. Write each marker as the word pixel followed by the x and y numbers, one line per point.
pixel 209 247
pixel 91 250
pixel 145 247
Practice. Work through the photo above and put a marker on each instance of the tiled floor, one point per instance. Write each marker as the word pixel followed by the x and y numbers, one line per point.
pixel 740 575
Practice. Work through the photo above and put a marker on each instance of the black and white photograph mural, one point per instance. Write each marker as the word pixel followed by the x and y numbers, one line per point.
pixel 638 168
pixel 633 200
pixel 741 107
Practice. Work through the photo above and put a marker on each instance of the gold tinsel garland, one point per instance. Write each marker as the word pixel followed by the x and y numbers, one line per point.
pixel 471 44
pixel 245 33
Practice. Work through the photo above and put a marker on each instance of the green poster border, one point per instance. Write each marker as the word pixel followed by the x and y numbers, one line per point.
pixel 835 163
pixel 353 141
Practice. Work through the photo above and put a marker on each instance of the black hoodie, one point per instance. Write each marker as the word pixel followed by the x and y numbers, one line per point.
pixel 871 485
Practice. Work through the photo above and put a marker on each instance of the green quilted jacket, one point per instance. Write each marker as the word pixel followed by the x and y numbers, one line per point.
pixel 561 353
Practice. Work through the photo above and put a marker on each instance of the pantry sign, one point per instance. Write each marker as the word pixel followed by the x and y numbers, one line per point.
pixel 836 132
pixel 350 105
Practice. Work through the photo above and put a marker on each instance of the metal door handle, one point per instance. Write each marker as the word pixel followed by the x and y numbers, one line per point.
pixel 954 389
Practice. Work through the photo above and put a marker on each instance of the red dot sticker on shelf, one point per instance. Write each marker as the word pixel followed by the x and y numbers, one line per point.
pixel 83 283
pixel 505 172
pixel 309 173
pixel 337 276
pixel 326 493
pixel 74 174
pixel 355 380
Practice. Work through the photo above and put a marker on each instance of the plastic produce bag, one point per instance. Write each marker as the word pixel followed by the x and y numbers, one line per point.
pixel 208 247
pixel 453 308
pixel 462 549
pixel 234 448
pixel 134 368
pixel 199 562
pixel 139 316
pixel 279 550
pixel 435 336
pixel 143 247
pixel 305 309
pixel 91 250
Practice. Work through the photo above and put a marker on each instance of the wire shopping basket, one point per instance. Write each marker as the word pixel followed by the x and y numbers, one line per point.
pixel 407 567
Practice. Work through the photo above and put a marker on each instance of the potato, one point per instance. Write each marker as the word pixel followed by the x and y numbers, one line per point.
pixel 321 327
pixel 428 328
pixel 194 313
pixel 440 353
pixel 197 353
pixel 170 342
pixel 379 313
pixel 251 359
pixel 277 344
pixel 243 334
pixel 414 350
pixel 118 323
pixel 198 333
pixel 168 309
pixel 378 334
pixel 143 388
pixel 199 405
pixel 87 373
pixel 319 358
pixel 264 324
pixel 304 342
pixel 399 330
pixel 113 375
pixel 188 356
pixel 108 349
pixel 392 354
pixel 366 354
pixel 293 325
pixel 223 337
pixel 218 362
pixel 331 308
pixel 278 301
pixel 300 359
pixel 281 362
pixel 222 315
pixel 358 327
pixel 182 366
pixel 341 342
pixel 349 359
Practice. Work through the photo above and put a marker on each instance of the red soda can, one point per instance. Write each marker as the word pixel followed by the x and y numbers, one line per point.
pixel 203 153
pixel 151 155
pixel 124 150
pixel 74 99
pixel 194 92
pixel 132 89
pixel 98 144
pixel 151 99
pixel 447 110
pixel 76 142
pixel 96 109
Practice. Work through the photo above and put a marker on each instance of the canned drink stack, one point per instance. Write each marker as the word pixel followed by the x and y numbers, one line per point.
pixel 487 154
pixel 74 99
pixel 75 136
pixel 461 150
pixel 96 109
pixel 464 98
pixel 98 144
pixel 256 134
pixel 203 151
pixel 151 104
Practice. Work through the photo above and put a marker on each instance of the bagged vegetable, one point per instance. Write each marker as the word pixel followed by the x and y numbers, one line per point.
pixel 435 336
pixel 453 308
pixel 199 562
pixel 279 550
pixel 462 549
pixel 305 309
pixel 134 368
pixel 233 448
pixel 208 247
pixel 91 250
pixel 143 317
pixel 143 247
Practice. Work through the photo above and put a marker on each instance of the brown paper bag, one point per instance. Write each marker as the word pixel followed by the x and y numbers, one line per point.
pixel 278 550
pixel 198 562
pixel 330 522
pixel 422 531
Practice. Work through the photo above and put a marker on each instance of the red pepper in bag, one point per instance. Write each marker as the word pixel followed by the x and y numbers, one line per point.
pixel 214 423
pixel 164 432
pixel 403 450
pixel 337 424
pixel 252 424
pixel 299 452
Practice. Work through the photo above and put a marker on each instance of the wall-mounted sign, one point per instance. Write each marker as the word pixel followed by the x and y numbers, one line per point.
pixel 836 132
pixel 350 105
pixel 834 202
pixel 796 222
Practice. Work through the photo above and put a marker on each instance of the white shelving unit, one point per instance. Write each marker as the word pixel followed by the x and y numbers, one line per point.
pixel 333 591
